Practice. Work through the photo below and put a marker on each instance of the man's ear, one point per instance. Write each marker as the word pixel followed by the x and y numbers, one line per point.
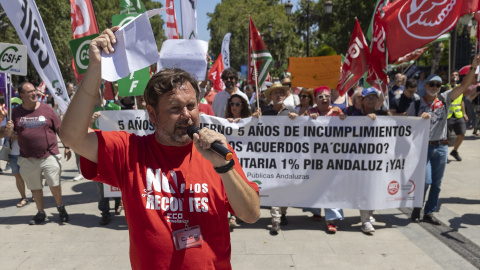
pixel 151 113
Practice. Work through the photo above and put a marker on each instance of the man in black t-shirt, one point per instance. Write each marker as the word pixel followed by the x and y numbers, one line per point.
pixel 402 101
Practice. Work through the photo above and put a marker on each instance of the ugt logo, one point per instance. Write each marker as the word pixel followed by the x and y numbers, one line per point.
pixel 428 19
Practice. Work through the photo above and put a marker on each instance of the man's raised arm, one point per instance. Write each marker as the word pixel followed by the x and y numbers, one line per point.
pixel 467 80
pixel 74 130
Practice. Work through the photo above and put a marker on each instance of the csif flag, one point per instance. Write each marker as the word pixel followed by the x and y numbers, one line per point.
pixel 355 62
pixel 215 74
pixel 28 23
pixel 83 24
pixel 259 58
pixel 412 24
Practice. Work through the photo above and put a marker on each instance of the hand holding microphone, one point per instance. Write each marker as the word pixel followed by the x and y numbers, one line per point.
pixel 215 147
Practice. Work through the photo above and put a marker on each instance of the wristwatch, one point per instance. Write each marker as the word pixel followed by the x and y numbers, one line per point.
pixel 225 168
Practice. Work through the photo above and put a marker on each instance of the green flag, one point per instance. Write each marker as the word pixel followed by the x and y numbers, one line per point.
pixel 131 6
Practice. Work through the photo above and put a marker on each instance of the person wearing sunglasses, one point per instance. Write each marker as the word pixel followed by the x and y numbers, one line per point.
pixel 323 99
pixel 237 108
pixel 306 103
pixel 230 79
pixel 402 101
pixel 434 106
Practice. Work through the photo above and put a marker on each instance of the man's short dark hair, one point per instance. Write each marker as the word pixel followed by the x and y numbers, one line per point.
pixel 229 72
pixel 411 83
pixel 20 87
pixel 165 81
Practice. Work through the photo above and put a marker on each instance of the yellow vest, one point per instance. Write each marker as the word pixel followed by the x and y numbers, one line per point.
pixel 456 108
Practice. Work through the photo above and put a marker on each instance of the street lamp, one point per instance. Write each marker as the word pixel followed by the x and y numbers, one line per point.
pixel 328 10
pixel 288 8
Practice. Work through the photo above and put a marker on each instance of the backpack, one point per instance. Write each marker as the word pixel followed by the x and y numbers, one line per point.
pixel 417 103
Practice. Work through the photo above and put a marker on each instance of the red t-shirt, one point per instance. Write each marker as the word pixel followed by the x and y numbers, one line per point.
pixel 150 176
pixel 206 109
pixel 36 131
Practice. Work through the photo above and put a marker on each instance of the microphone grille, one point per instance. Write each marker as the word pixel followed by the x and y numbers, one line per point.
pixel 191 130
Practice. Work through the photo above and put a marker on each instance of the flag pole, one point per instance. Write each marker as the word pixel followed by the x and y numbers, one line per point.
pixel 256 83
pixel 7 97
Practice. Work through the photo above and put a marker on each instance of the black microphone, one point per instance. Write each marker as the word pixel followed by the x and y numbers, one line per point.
pixel 216 147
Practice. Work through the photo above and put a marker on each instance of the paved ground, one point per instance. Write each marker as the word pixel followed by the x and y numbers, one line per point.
pixel 302 244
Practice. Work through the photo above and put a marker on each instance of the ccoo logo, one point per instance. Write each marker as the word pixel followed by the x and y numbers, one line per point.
pixel 427 19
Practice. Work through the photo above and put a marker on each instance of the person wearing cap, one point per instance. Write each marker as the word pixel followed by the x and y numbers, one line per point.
pixel 291 100
pixel 434 106
pixel 230 79
pixel 368 101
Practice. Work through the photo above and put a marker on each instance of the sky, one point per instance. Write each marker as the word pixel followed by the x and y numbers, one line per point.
pixel 203 7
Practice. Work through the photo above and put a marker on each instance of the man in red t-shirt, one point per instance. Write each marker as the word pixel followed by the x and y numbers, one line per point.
pixel 176 194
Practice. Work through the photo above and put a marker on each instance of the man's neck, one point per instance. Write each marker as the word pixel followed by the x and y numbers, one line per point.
pixel 278 107
pixel 31 107
pixel 429 98
pixel 232 91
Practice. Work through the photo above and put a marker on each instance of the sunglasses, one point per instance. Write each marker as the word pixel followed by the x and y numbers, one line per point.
pixel 230 78
pixel 303 96
pixel 432 84
pixel 323 96
pixel 234 104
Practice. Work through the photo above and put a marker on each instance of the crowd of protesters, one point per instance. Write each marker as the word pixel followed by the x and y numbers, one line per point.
pixel 241 100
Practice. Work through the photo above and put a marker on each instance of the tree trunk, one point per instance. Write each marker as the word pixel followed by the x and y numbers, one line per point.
pixel 437 55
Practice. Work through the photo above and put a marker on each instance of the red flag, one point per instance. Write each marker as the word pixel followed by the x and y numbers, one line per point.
pixel 411 56
pixel 172 29
pixel 215 74
pixel 83 18
pixel 356 59
pixel 259 55
pixel 108 91
pixel 377 62
pixel 83 24
pixel 412 24
pixel 42 89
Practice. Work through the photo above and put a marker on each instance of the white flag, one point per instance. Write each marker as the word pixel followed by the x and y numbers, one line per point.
pixel 226 50
pixel 189 18
pixel 28 23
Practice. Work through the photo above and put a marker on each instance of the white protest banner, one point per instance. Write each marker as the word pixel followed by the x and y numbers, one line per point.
pixel 189 55
pixel 131 121
pixel 135 49
pixel 357 163
pixel 226 50
pixel 13 59
pixel 189 18
pixel 28 23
